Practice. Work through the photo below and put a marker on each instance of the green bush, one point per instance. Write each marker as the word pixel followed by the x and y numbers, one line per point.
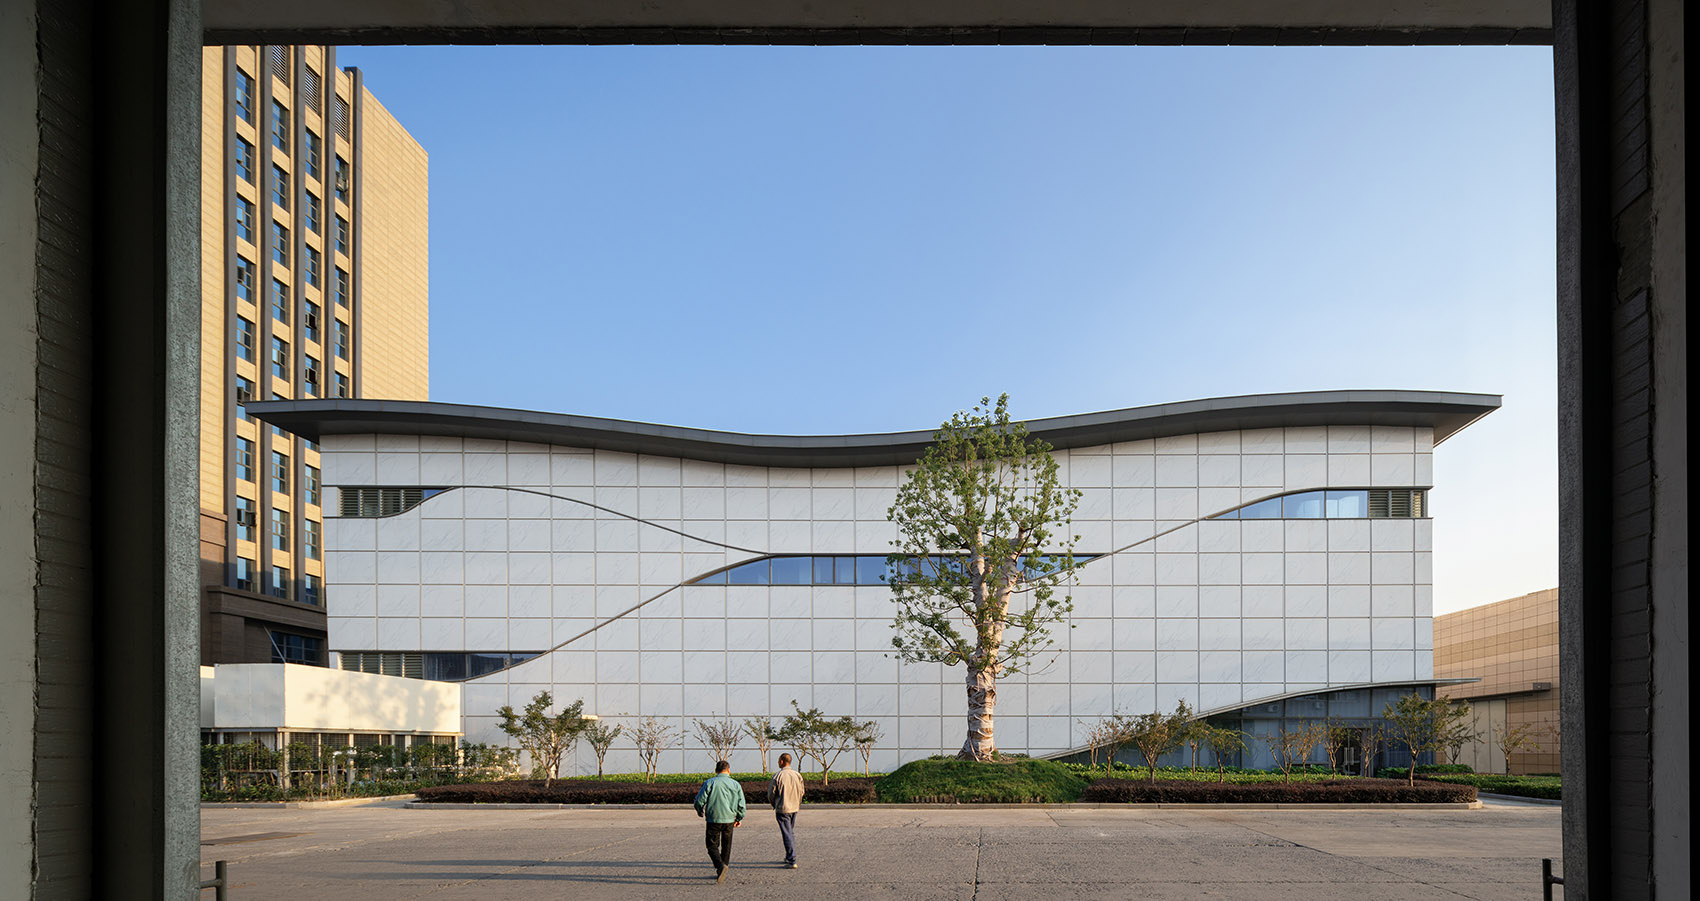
pixel 844 789
pixel 1548 787
pixel 1330 791
pixel 1012 781
pixel 1400 772
pixel 1231 775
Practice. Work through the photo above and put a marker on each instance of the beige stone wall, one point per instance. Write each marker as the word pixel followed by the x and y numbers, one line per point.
pixel 1512 647
pixel 214 381
pixel 394 204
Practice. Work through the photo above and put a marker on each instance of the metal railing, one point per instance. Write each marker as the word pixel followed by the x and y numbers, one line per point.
pixel 220 883
pixel 1548 880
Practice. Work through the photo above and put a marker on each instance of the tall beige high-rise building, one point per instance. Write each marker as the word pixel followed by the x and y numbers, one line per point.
pixel 314 274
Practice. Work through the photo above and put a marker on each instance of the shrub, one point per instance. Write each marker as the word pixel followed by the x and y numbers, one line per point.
pixel 1011 781
pixel 1548 787
pixel 610 791
pixel 1332 791
pixel 1398 772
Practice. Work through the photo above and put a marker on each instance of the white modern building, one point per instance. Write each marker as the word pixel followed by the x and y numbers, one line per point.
pixel 1260 557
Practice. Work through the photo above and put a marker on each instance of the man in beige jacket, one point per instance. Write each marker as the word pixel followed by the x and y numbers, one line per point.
pixel 785 793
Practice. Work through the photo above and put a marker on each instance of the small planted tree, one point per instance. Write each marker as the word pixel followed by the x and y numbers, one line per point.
pixel 719 735
pixel 1155 734
pixel 601 737
pixel 1294 745
pixel 1513 738
pixel 1418 725
pixel 544 736
pixel 1222 741
pixel 1336 738
pixel 813 735
pixel 1101 736
pixel 982 547
pixel 1371 740
pixel 652 735
pixel 760 730
pixel 867 735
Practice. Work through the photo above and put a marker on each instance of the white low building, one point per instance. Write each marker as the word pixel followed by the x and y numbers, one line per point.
pixel 278 703
pixel 1263 558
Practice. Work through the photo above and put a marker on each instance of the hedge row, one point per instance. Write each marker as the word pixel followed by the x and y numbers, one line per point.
pixel 1338 791
pixel 849 789
pixel 1549 787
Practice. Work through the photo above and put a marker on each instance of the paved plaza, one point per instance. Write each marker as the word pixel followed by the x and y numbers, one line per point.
pixel 384 851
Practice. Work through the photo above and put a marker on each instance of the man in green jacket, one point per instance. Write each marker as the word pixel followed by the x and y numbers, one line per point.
pixel 720 801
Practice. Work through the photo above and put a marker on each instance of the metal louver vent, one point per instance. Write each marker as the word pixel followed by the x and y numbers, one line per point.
pixel 385 663
pixel 277 62
pixel 1396 503
pixel 315 89
pixel 371 502
pixel 341 119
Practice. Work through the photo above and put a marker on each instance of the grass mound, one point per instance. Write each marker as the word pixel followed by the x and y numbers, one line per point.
pixel 1334 791
pixel 963 781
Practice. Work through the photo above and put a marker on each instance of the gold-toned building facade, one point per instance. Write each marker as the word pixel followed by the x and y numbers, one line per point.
pixel 315 280
pixel 1512 647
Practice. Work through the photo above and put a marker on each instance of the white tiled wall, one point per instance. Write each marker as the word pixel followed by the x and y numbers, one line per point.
pixel 581 554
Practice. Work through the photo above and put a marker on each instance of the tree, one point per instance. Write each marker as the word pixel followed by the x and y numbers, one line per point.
pixel 1155 734
pixel 813 735
pixel 1294 745
pixel 867 734
pixel 719 735
pixel 760 731
pixel 1511 739
pixel 652 735
pixel 601 738
pixel 1336 738
pixel 1222 741
pixel 1371 739
pixel 1418 724
pixel 1101 735
pixel 542 736
pixel 978 550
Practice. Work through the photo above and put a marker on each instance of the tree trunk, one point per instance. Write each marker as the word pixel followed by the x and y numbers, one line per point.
pixel 982 699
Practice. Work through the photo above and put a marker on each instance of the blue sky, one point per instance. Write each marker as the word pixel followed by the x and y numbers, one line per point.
pixel 800 240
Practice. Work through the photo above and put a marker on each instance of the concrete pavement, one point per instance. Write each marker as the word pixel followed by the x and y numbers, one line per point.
pixel 382 851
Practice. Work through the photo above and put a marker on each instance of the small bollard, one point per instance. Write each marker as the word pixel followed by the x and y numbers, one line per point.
pixel 220 883
pixel 1548 880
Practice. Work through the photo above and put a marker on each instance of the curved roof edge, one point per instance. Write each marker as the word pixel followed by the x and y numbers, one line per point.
pixel 1446 412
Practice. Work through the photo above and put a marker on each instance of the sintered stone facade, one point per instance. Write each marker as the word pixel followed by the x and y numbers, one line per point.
pixel 718 574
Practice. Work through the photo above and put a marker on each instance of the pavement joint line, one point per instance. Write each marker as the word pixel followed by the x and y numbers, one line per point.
pixel 1355 860
pixel 979 849
pixel 483 877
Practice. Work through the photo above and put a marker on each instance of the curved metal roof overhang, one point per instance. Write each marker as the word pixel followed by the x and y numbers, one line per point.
pixel 1444 411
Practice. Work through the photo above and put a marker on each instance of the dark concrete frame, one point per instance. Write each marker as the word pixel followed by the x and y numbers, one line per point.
pixel 117 296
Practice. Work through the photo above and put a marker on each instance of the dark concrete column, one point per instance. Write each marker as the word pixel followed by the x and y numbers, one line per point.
pixel 146 341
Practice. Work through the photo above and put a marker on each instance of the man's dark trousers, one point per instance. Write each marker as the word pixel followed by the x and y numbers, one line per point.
pixel 787 822
pixel 720 844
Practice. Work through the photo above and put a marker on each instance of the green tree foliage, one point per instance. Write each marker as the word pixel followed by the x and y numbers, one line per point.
pixel 813 735
pixel 982 547
pixel 541 735
pixel 601 737
pixel 1222 741
pixel 760 730
pixel 1155 734
pixel 1418 724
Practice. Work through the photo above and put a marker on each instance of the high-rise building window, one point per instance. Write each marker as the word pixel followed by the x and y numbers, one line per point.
pixel 342 386
pixel 342 236
pixel 310 321
pixel 279 587
pixel 244 339
pixel 312 491
pixel 313 212
pixel 244 393
pixel 244 459
pixel 341 336
pixel 280 187
pixel 342 179
pixel 244 220
pixel 315 149
pixel 280 243
pixel 245 96
pixel 288 648
pixel 280 472
pixel 244 279
pixel 313 265
pixel 245 522
pixel 280 301
pixel 343 290
pixel 312 590
pixel 280 529
pixel 244 574
pixel 280 358
pixel 310 377
pixel 245 160
pixel 310 542
pixel 280 126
